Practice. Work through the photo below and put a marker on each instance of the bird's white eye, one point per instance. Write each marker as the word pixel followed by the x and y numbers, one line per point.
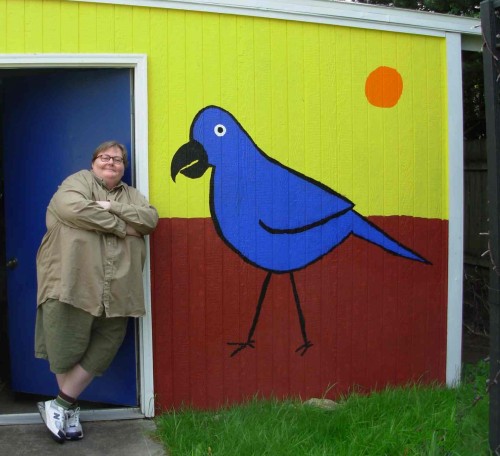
pixel 220 130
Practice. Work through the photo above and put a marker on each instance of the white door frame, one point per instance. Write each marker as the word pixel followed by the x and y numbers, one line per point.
pixel 137 63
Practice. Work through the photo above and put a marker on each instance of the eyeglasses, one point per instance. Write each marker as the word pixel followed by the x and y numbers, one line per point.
pixel 107 158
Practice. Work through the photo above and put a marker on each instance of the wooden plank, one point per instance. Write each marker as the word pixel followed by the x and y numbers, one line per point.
pixel 374 318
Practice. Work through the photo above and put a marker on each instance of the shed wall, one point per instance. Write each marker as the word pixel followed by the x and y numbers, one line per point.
pixel 299 90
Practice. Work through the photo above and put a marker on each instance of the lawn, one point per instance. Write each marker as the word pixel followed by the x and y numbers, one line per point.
pixel 415 420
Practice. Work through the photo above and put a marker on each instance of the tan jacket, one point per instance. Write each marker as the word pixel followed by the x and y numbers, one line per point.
pixel 85 258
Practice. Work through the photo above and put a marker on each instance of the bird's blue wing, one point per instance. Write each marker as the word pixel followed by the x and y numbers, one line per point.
pixel 289 202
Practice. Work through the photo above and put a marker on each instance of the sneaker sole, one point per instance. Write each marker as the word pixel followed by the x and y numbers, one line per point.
pixel 59 438
pixel 74 438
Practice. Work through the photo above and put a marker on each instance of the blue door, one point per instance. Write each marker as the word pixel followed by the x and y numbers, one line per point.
pixel 52 122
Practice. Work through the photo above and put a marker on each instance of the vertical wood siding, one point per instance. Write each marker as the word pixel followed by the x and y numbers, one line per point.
pixel 297 87
pixel 371 320
pixel 299 91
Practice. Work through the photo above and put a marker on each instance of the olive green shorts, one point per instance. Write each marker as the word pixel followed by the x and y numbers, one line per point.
pixel 66 336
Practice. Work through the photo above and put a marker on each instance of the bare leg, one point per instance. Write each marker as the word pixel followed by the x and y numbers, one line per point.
pixel 60 380
pixel 65 425
pixel 74 382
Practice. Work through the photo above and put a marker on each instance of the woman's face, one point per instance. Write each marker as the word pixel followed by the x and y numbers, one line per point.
pixel 109 171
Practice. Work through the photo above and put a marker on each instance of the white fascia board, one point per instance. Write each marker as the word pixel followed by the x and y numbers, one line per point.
pixel 324 12
pixel 456 209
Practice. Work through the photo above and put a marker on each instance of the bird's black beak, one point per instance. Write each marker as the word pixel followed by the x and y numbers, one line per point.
pixel 190 160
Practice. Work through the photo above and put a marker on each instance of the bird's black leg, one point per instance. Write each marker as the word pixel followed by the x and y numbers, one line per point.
pixel 250 342
pixel 305 346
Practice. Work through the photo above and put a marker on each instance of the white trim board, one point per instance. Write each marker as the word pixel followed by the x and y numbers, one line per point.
pixel 113 414
pixel 331 12
pixel 455 209
pixel 138 63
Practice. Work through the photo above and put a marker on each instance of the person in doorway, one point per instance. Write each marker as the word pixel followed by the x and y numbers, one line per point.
pixel 89 272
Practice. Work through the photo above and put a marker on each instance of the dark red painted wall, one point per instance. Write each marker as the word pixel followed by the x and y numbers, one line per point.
pixel 374 318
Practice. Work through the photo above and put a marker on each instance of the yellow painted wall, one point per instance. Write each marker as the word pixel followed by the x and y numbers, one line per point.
pixel 297 88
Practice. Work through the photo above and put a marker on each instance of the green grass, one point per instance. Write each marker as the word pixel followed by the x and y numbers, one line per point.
pixel 416 420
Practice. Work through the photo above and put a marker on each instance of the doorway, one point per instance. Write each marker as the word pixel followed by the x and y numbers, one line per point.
pixel 52 119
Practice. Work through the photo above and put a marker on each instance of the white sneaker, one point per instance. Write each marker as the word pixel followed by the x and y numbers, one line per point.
pixel 54 418
pixel 73 428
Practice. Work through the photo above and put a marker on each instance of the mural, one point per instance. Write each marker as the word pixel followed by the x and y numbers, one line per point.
pixel 274 217
pixel 364 111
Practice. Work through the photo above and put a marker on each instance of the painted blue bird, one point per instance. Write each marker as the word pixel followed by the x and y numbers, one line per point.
pixel 272 216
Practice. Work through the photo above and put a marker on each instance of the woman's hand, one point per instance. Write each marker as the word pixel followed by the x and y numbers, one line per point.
pixel 131 231
pixel 104 204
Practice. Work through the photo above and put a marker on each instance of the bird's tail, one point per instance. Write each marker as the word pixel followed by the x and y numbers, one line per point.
pixel 371 233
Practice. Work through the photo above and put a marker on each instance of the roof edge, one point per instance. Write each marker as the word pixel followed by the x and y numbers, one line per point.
pixel 323 11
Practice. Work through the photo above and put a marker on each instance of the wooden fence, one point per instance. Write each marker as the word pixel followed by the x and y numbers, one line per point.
pixel 475 203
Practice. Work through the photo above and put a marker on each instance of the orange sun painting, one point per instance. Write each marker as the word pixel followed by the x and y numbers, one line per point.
pixel 384 87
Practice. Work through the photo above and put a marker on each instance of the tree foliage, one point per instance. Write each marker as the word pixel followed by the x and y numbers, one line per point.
pixel 473 95
pixel 457 7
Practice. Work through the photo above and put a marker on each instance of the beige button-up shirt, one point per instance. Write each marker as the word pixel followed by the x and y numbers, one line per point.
pixel 85 258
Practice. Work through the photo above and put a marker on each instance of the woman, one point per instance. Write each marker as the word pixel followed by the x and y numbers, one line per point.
pixel 89 270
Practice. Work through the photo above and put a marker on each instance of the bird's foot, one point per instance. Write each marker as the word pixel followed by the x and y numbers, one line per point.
pixel 242 346
pixel 304 347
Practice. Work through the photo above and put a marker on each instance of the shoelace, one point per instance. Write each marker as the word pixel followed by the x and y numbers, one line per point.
pixel 73 417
